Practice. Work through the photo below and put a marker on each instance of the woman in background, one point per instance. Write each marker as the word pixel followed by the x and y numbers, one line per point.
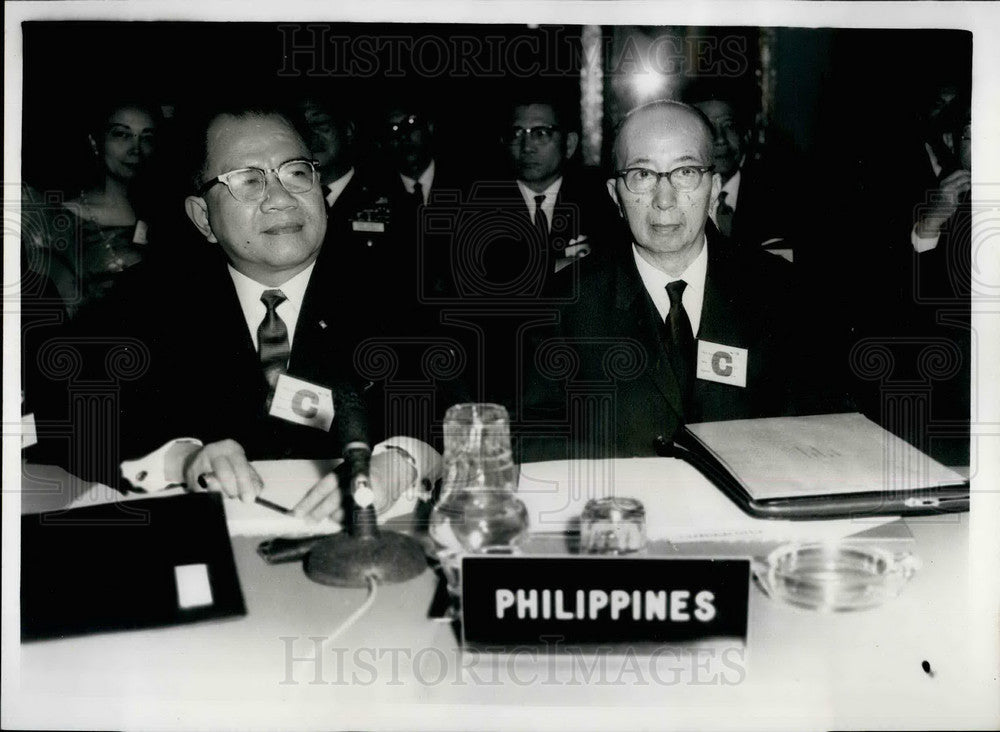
pixel 100 232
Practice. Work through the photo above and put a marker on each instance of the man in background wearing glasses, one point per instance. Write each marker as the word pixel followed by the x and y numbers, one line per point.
pixel 242 351
pixel 674 326
pixel 541 142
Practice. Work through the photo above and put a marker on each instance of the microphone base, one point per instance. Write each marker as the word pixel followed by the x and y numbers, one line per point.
pixel 347 561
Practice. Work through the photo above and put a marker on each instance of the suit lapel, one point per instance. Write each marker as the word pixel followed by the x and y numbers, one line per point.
pixel 721 319
pixel 636 309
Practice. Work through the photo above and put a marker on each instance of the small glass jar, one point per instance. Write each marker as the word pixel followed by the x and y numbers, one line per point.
pixel 613 525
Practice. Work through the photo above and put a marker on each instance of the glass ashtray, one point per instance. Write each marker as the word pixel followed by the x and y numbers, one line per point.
pixel 834 577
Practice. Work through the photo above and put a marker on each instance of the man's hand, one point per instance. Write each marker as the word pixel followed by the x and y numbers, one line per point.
pixel 944 202
pixel 322 501
pixel 390 474
pixel 223 466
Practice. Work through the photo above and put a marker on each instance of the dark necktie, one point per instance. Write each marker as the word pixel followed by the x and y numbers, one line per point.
pixel 724 215
pixel 418 195
pixel 541 221
pixel 272 338
pixel 679 338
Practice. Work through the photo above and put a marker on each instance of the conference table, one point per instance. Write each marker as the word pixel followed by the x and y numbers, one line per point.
pixel 911 662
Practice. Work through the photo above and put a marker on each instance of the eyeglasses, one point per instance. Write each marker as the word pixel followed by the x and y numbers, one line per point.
pixel 643 180
pixel 248 185
pixel 405 125
pixel 540 134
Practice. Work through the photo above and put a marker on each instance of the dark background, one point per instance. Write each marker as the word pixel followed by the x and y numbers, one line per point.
pixel 838 95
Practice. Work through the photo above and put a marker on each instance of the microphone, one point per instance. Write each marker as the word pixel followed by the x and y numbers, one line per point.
pixel 363 553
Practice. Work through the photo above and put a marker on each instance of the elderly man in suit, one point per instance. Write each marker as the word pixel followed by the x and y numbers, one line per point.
pixel 245 348
pixel 675 326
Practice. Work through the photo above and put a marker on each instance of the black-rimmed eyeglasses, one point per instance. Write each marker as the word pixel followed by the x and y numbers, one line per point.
pixel 249 185
pixel 539 133
pixel 643 180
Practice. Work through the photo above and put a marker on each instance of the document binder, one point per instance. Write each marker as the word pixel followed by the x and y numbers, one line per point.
pixel 818 467
pixel 127 565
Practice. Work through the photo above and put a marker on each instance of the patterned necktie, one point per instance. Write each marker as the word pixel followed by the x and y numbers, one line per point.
pixel 724 215
pixel 272 338
pixel 541 221
pixel 679 338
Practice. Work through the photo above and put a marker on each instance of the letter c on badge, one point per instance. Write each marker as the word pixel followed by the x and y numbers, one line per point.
pixel 304 403
pixel 722 363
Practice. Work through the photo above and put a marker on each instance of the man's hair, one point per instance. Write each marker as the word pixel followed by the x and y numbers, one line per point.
pixel 563 105
pixel 195 131
pixel 738 94
pixel 616 151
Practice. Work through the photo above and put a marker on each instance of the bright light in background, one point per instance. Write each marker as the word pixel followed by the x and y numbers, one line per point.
pixel 648 84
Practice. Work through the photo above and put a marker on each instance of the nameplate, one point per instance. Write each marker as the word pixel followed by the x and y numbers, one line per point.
pixel 514 601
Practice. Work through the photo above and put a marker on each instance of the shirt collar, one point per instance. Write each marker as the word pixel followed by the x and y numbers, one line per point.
pixel 426 180
pixel 655 281
pixel 249 290
pixel 529 195
pixel 732 188
pixel 333 190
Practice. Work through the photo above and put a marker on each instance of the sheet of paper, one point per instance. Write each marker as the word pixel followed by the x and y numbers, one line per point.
pixel 285 483
pixel 819 455
pixel 681 505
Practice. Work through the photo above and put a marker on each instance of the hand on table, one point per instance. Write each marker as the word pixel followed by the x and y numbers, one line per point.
pixel 223 466
pixel 389 474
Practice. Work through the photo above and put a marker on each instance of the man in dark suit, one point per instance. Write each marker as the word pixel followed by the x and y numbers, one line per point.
pixel 359 212
pixel 678 327
pixel 562 202
pixel 246 348
pixel 756 206
pixel 935 308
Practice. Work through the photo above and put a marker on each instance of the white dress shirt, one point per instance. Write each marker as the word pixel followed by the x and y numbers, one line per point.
pixel 333 190
pixel 426 181
pixel 548 205
pixel 656 282
pixel 732 191
pixel 926 243
pixel 249 291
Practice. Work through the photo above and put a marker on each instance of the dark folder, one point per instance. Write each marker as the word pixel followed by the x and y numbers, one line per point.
pixel 127 565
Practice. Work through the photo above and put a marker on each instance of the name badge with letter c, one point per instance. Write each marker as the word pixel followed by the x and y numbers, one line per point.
pixel 723 364
pixel 302 402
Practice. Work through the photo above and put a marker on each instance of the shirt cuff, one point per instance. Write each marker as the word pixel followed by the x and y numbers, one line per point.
pixel 162 468
pixel 422 456
pixel 923 243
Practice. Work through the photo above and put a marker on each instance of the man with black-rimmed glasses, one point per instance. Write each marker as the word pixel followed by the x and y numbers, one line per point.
pixel 672 325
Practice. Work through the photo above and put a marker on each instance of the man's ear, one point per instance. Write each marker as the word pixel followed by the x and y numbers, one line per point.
pixel 93 144
pixel 572 140
pixel 613 192
pixel 716 188
pixel 197 211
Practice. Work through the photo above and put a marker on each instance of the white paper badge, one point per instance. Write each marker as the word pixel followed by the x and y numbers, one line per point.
pixel 299 401
pixel 29 436
pixel 141 234
pixel 724 364
pixel 373 227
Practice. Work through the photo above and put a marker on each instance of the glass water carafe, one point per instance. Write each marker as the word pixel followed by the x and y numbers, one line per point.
pixel 478 510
